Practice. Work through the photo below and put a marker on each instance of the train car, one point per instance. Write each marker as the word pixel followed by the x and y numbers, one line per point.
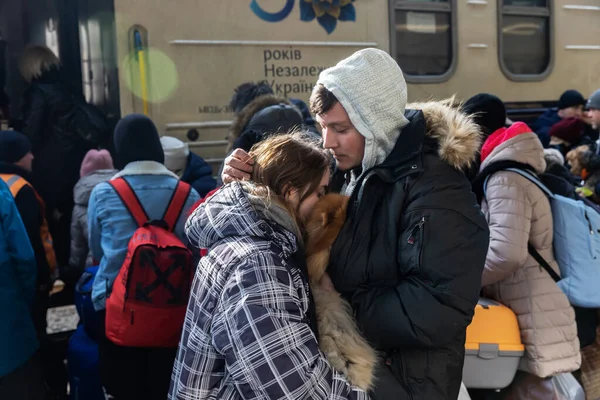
pixel 179 62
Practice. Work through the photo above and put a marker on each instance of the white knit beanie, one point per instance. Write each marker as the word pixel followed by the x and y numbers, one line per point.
pixel 371 87
pixel 176 153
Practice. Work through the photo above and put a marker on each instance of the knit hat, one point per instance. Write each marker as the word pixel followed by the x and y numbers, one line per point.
pixel 95 160
pixel 176 153
pixel 569 129
pixel 305 111
pixel 488 112
pixel 553 156
pixel 136 139
pixel 594 101
pixel 370 86
pixel 13 146
pixel 570 98
pixel 278 118
pixel 502 135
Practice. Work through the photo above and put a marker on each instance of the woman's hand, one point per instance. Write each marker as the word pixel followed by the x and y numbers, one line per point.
pixel 238 167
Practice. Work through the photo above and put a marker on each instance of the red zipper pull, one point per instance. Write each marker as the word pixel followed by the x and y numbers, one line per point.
pixel 413 235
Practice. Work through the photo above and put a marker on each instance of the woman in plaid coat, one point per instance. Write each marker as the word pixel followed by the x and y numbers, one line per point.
pixel 250 329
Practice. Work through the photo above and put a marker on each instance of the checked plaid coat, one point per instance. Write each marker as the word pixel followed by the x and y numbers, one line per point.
pixel 247 332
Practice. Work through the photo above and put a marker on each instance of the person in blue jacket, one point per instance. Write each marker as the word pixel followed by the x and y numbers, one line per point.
pixel 21 375
pixel 131 372
pixel 190 167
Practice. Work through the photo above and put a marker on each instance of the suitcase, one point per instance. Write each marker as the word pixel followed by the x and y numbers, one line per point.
pixel 82 363
pixel 493 347
pixel 590 365
pixel 83 302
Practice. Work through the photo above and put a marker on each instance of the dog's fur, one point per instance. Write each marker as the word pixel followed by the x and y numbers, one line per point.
pixel 574 158
pixel 339 338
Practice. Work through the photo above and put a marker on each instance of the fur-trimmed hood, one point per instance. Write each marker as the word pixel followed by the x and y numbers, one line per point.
pixel 458 136
pixel 241 120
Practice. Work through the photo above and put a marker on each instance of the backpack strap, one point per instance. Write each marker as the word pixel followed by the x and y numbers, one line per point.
pixel 130 200
pixel 534 179
pixel 538 257
pixel 525 174
pixel 175 207
pixel 534 253
pixel 478 182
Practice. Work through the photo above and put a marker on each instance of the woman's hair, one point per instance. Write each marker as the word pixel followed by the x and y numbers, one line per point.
pixel 294 160
pixel 35 61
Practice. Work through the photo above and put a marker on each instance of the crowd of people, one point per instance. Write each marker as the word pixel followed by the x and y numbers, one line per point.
pixel 202 289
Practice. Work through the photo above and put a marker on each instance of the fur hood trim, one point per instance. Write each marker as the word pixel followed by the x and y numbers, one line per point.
pixel 459 137
pixel 241 120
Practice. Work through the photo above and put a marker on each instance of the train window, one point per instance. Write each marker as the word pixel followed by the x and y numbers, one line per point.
pixel 423 39
pixel 525 39
pixel 525 3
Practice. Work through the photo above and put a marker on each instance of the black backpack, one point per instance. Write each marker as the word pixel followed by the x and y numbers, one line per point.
pixel 83 120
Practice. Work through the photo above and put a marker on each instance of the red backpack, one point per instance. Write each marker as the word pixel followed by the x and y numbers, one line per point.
pixel 147 305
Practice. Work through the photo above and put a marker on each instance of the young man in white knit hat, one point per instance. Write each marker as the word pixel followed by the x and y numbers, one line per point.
pixel 410 255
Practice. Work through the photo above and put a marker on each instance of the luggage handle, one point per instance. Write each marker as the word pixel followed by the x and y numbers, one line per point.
pixel 488 351
pixel 85 278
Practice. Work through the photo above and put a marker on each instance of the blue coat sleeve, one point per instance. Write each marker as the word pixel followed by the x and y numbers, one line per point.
pixel 19 248
pixel 199 174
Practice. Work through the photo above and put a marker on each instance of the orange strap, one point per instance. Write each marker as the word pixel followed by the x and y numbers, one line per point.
pixel 14 182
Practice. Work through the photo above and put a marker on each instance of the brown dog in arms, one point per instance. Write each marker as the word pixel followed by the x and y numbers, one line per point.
pixel 339 338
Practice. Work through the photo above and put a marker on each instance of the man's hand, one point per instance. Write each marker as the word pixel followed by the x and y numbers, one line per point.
pixel 238 167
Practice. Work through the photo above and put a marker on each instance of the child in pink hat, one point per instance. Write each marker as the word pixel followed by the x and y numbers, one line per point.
pixel 97 167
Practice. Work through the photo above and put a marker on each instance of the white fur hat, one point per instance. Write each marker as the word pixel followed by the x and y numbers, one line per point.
pixel 554 156
pixel 176 153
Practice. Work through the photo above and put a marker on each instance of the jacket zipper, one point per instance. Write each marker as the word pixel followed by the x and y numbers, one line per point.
pixel 408 388
pixel 359 186
pixel 362 183
pixel 389 361
pixel 413 235
pixel 419 228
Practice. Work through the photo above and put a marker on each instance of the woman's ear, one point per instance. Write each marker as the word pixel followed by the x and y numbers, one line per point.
pixel 291 196
pixel 289 193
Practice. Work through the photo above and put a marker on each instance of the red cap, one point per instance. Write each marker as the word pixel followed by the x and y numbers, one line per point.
pixel 502 135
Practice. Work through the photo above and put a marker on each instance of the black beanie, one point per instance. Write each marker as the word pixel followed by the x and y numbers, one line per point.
pixel 278 118
pixel 136 139
pixel 570 98
pixel 13 146
pixel 488 112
